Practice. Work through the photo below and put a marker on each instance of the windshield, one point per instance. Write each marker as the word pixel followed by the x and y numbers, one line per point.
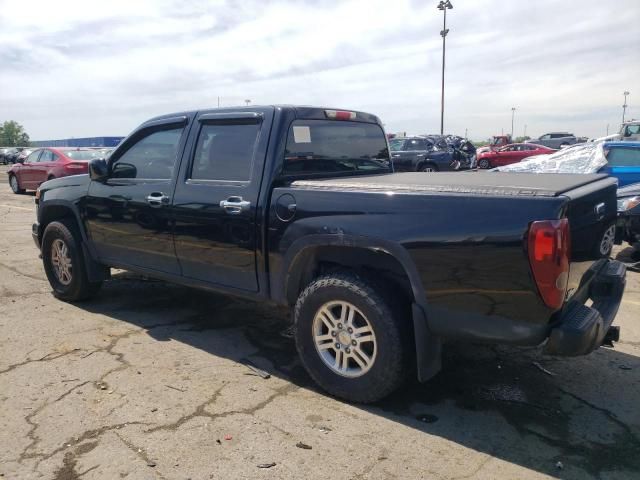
pixel 82 154
pixel 321 147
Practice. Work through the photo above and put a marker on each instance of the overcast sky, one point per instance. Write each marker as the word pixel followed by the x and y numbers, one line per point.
pixel 89 68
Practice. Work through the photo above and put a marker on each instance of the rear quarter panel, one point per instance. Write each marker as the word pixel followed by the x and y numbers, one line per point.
pixel 468 252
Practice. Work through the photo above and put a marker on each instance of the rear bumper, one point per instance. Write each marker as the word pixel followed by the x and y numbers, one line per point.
pixel 581 329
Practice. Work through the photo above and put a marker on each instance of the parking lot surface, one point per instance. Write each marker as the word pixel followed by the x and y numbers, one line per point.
pixel 152 380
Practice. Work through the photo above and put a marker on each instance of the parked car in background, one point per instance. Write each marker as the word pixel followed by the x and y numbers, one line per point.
pixel 628 227
pixel 11 155
pixel 510 154
pixel 421 154
pixel 497 141
pixel 3 152
pixel 47 163
pixel 623 161
pixel 630 131
pixel 555 140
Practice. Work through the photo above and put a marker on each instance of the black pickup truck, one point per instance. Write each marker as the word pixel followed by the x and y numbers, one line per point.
pixel 300 206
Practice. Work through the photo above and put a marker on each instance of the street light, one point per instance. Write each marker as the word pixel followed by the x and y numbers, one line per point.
pixel 444 5
pixel 624 106
pixel 513 113
pixel 247 102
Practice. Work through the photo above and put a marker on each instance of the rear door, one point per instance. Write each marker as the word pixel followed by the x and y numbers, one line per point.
pixel 45 162
pixel 128 215
pixel 624 163
pixel 215 201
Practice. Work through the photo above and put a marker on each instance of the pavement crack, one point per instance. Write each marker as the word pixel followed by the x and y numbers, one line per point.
pixel 139 452
pixel 47 358
pixel 200 410
pixel 18 272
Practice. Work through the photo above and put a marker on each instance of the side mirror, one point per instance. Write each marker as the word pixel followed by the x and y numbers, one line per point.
pixel 98 170
pixel 20 160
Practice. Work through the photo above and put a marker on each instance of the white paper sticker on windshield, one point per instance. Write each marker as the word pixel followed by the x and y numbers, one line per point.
pixel 302 134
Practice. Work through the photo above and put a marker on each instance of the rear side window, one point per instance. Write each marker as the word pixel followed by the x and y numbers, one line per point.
pixel 225 152
pixel 332 147
pixel 47 156
pixel 152 157
pixel 624 157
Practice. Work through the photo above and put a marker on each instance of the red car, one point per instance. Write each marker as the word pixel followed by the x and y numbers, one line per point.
pixel 46 163
pixel 510 154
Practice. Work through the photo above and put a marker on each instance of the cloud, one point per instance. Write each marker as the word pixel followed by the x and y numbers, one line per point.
pixel 76 68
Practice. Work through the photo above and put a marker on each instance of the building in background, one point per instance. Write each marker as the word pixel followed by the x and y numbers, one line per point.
pixel 80 142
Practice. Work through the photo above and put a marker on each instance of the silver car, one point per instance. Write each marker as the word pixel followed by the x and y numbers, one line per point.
pixel 555 140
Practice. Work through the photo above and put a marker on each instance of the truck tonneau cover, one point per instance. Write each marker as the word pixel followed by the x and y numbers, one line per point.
pixel 478 183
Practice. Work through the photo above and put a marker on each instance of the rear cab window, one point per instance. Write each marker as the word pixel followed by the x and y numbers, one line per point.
pixel 334 148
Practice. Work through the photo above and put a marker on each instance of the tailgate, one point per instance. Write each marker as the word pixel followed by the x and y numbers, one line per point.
pixel 591 210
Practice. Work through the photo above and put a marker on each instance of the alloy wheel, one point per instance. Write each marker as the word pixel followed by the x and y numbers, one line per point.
pixel 61 261
pixel 606 243
pixel 344 339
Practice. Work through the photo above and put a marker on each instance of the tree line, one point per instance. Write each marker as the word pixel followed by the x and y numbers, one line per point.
pixel 12 134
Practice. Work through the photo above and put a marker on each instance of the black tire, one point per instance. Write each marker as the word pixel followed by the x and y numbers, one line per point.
pixel 484 163
pixel 428 167
pixel 15 185
pixel 78 287
pixel 391 361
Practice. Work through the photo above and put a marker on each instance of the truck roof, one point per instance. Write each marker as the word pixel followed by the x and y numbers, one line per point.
pixel 306 112
pixel 478 183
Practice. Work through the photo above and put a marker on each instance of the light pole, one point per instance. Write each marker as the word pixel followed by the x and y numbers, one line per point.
pixel 444 5
pixel 513 113
pixel 624 106
pixel 247 102
pixel 525 131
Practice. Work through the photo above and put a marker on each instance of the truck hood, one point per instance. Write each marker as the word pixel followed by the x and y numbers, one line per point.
pixel 70 181
pixel 474 183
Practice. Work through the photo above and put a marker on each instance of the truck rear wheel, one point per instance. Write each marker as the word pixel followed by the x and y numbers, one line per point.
pixel 351 341
pixel 64 263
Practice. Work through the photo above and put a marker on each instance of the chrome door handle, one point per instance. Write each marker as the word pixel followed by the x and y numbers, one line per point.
pixel 235 205
pixel 157 199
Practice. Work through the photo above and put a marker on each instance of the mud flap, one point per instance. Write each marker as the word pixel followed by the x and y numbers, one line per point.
pixel 428 346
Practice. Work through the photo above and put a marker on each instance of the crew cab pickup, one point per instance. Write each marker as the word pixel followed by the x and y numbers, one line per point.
pixel 300 207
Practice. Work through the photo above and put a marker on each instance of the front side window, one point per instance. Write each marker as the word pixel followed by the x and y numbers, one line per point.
pixel 225 152
pixel 624 157
pixel 152 157
pixel 632 130
pixel 33 157
pixel 320 147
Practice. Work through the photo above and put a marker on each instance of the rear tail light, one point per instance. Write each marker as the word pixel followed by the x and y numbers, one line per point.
pixel 549 245
pixel 76 167
pixel 340 114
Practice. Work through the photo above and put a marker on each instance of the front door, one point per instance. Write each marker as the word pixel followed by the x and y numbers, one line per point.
pixel 128 216
pixel 27 172
pixel 215 202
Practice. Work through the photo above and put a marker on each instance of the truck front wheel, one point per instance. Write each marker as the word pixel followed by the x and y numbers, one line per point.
pixel 64 263
pixel 351 341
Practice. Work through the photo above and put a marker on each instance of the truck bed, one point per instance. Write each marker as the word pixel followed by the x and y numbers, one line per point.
pixel 478 183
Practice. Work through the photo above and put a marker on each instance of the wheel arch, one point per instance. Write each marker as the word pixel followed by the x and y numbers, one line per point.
pixel 311 257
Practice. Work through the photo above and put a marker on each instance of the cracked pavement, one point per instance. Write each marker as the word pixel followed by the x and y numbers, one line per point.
pixel 150 380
